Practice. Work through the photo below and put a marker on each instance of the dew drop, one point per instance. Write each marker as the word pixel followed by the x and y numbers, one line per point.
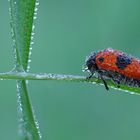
pixel 36 9
pixel 35 13
pixel 32 37
pixel 28 67
pixel 37 3
pixel 33 27
pixel 30 53
pixel 20 109
pixel 38 76
pixel 32 43
pixel 33 33
pixel 37 124
pixel 35 17
pixel 27 82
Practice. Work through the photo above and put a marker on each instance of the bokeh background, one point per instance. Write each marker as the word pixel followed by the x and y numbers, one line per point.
pixel 66 32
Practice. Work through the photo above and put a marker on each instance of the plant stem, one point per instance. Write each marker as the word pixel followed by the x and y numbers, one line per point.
pixel 40 76
pixel 62 77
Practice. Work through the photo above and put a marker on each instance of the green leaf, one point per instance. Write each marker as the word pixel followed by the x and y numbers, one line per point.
pixel 27 123
pixel 22 13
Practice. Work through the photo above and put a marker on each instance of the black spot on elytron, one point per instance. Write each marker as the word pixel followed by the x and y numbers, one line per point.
pixel 101 59
pixel 122 61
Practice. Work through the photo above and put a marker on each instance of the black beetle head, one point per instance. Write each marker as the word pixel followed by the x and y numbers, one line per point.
pixel 92 67
pixel 91 63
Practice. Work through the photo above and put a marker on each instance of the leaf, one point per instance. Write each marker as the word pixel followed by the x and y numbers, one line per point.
pixel 22 13
pixel 27 124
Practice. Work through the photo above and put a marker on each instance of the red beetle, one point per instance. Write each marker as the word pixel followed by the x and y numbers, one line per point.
pixel 114 64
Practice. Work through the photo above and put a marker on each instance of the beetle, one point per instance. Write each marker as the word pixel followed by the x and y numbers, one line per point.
pixel 115 65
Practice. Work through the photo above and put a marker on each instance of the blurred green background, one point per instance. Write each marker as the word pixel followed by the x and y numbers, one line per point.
pixel 66 32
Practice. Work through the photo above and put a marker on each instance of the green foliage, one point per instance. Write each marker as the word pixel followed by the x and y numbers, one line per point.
pixel 22 13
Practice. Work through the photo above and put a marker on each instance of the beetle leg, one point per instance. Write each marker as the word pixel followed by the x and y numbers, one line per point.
pixel 105 83
pixel 91 74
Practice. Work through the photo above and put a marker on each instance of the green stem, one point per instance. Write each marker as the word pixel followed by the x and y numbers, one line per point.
pixel 61 77
pixel 41 76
